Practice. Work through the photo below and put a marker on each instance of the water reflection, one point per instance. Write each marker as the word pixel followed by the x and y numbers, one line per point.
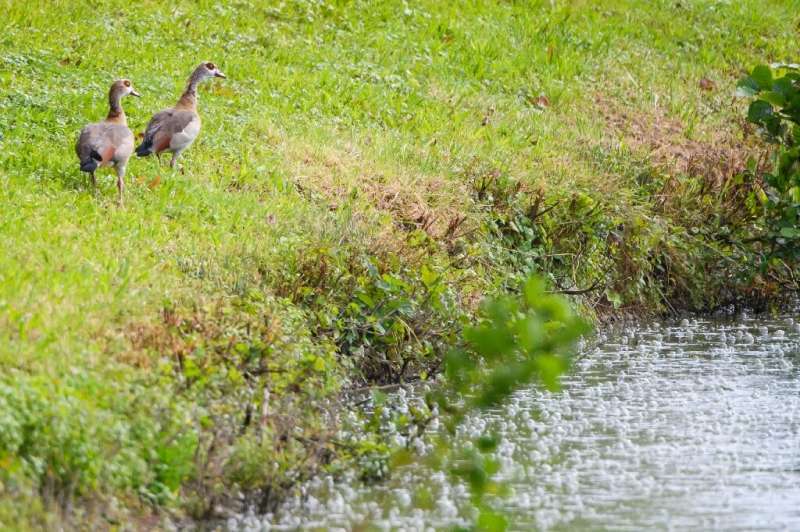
pixel 692 425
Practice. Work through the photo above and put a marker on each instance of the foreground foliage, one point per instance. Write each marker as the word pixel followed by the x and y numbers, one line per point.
pixel 520 342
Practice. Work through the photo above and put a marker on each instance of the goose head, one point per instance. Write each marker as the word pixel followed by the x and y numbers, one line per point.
pixel 208 70
pixel 123 87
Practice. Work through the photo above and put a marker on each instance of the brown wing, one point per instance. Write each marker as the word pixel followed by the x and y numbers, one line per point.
pixel 94 139
pixel 163 126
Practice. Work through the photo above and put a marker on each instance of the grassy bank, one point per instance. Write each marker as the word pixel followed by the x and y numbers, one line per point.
pixel 367 172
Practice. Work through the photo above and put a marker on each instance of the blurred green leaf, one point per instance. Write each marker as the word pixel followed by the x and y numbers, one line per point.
pixel 487 443
pixel 491 521
pixel 747 87
pixel 759 111
pixel 762 75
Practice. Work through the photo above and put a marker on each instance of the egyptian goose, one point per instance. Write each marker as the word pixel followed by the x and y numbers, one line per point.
pixel 110 142
pixel 175 129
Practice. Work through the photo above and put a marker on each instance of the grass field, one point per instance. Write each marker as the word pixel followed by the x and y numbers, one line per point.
pixel 358 153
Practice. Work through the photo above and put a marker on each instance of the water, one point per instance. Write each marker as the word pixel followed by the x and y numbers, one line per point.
pixel 684 426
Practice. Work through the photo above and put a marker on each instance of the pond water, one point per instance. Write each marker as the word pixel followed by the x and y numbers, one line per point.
pixel 684 426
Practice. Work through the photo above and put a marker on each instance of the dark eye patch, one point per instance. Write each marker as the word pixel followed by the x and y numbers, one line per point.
pixel 210 66
pixel 127 83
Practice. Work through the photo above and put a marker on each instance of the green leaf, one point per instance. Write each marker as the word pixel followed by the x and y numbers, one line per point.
pixel 487 443
pixel 759 112
pixel 784 87
pixel 366 299
pixel 428 276
pixel 491 521
pixel 762 196
pixel 490 342
pixel 762 75
pixel 550 369
pixel 747 88
pixel 534 290
pixel 457 364
pixel 775 98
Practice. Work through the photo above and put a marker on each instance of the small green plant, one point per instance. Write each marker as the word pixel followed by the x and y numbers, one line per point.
pixel 390 324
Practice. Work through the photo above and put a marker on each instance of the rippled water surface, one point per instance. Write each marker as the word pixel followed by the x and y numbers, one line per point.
pixel 682 426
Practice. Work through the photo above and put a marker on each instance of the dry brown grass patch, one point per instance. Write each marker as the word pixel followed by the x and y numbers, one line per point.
pixel 722 155
pixel 412 200
pixel 163 337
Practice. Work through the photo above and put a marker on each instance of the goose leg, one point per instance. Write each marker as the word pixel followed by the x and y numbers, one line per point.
pixel 94 183
pixel 174 161
pixel 120 181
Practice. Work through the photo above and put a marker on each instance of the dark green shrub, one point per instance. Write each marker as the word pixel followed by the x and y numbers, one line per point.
pixel 776 110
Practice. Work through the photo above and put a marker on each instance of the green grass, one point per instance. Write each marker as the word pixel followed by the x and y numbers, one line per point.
pixel 346 132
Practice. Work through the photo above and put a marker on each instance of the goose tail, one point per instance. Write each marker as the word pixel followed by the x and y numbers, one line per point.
pixel 91 163
pixel 145 148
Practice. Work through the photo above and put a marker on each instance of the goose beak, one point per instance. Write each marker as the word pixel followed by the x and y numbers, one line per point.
pixel 219 74
pixel 134 93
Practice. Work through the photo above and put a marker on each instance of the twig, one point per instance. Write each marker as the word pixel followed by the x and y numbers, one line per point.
pixel 577 292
